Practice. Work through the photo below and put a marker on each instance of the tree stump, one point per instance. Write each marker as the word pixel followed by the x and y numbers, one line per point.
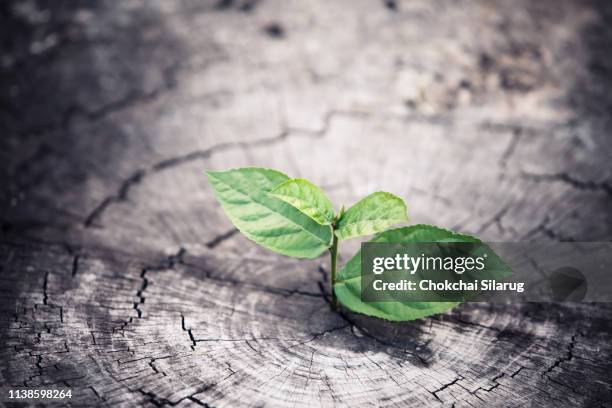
pixel 122 279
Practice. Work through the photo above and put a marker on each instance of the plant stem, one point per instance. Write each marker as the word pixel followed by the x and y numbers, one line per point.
pixel 334 255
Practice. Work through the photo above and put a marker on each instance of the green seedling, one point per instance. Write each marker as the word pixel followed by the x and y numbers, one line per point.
pixel 294 217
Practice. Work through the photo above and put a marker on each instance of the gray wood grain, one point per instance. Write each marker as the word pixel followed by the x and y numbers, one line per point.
pixel 122 278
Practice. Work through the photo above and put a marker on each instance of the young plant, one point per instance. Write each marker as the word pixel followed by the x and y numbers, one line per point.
pixel 294 217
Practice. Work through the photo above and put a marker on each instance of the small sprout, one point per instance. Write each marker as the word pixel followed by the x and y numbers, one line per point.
pixel 295 218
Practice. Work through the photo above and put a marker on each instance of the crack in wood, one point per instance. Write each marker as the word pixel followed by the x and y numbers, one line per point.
pixel 604 187
pixel 445 386
pixel 136 178
pixel 219 239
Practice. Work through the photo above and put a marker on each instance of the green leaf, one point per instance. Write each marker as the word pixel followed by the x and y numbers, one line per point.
pixel 348 283
pixel 372 214
pixel 307 198
pixel 270 222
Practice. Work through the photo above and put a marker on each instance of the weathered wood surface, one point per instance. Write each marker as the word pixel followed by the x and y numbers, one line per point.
pixel 121 277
